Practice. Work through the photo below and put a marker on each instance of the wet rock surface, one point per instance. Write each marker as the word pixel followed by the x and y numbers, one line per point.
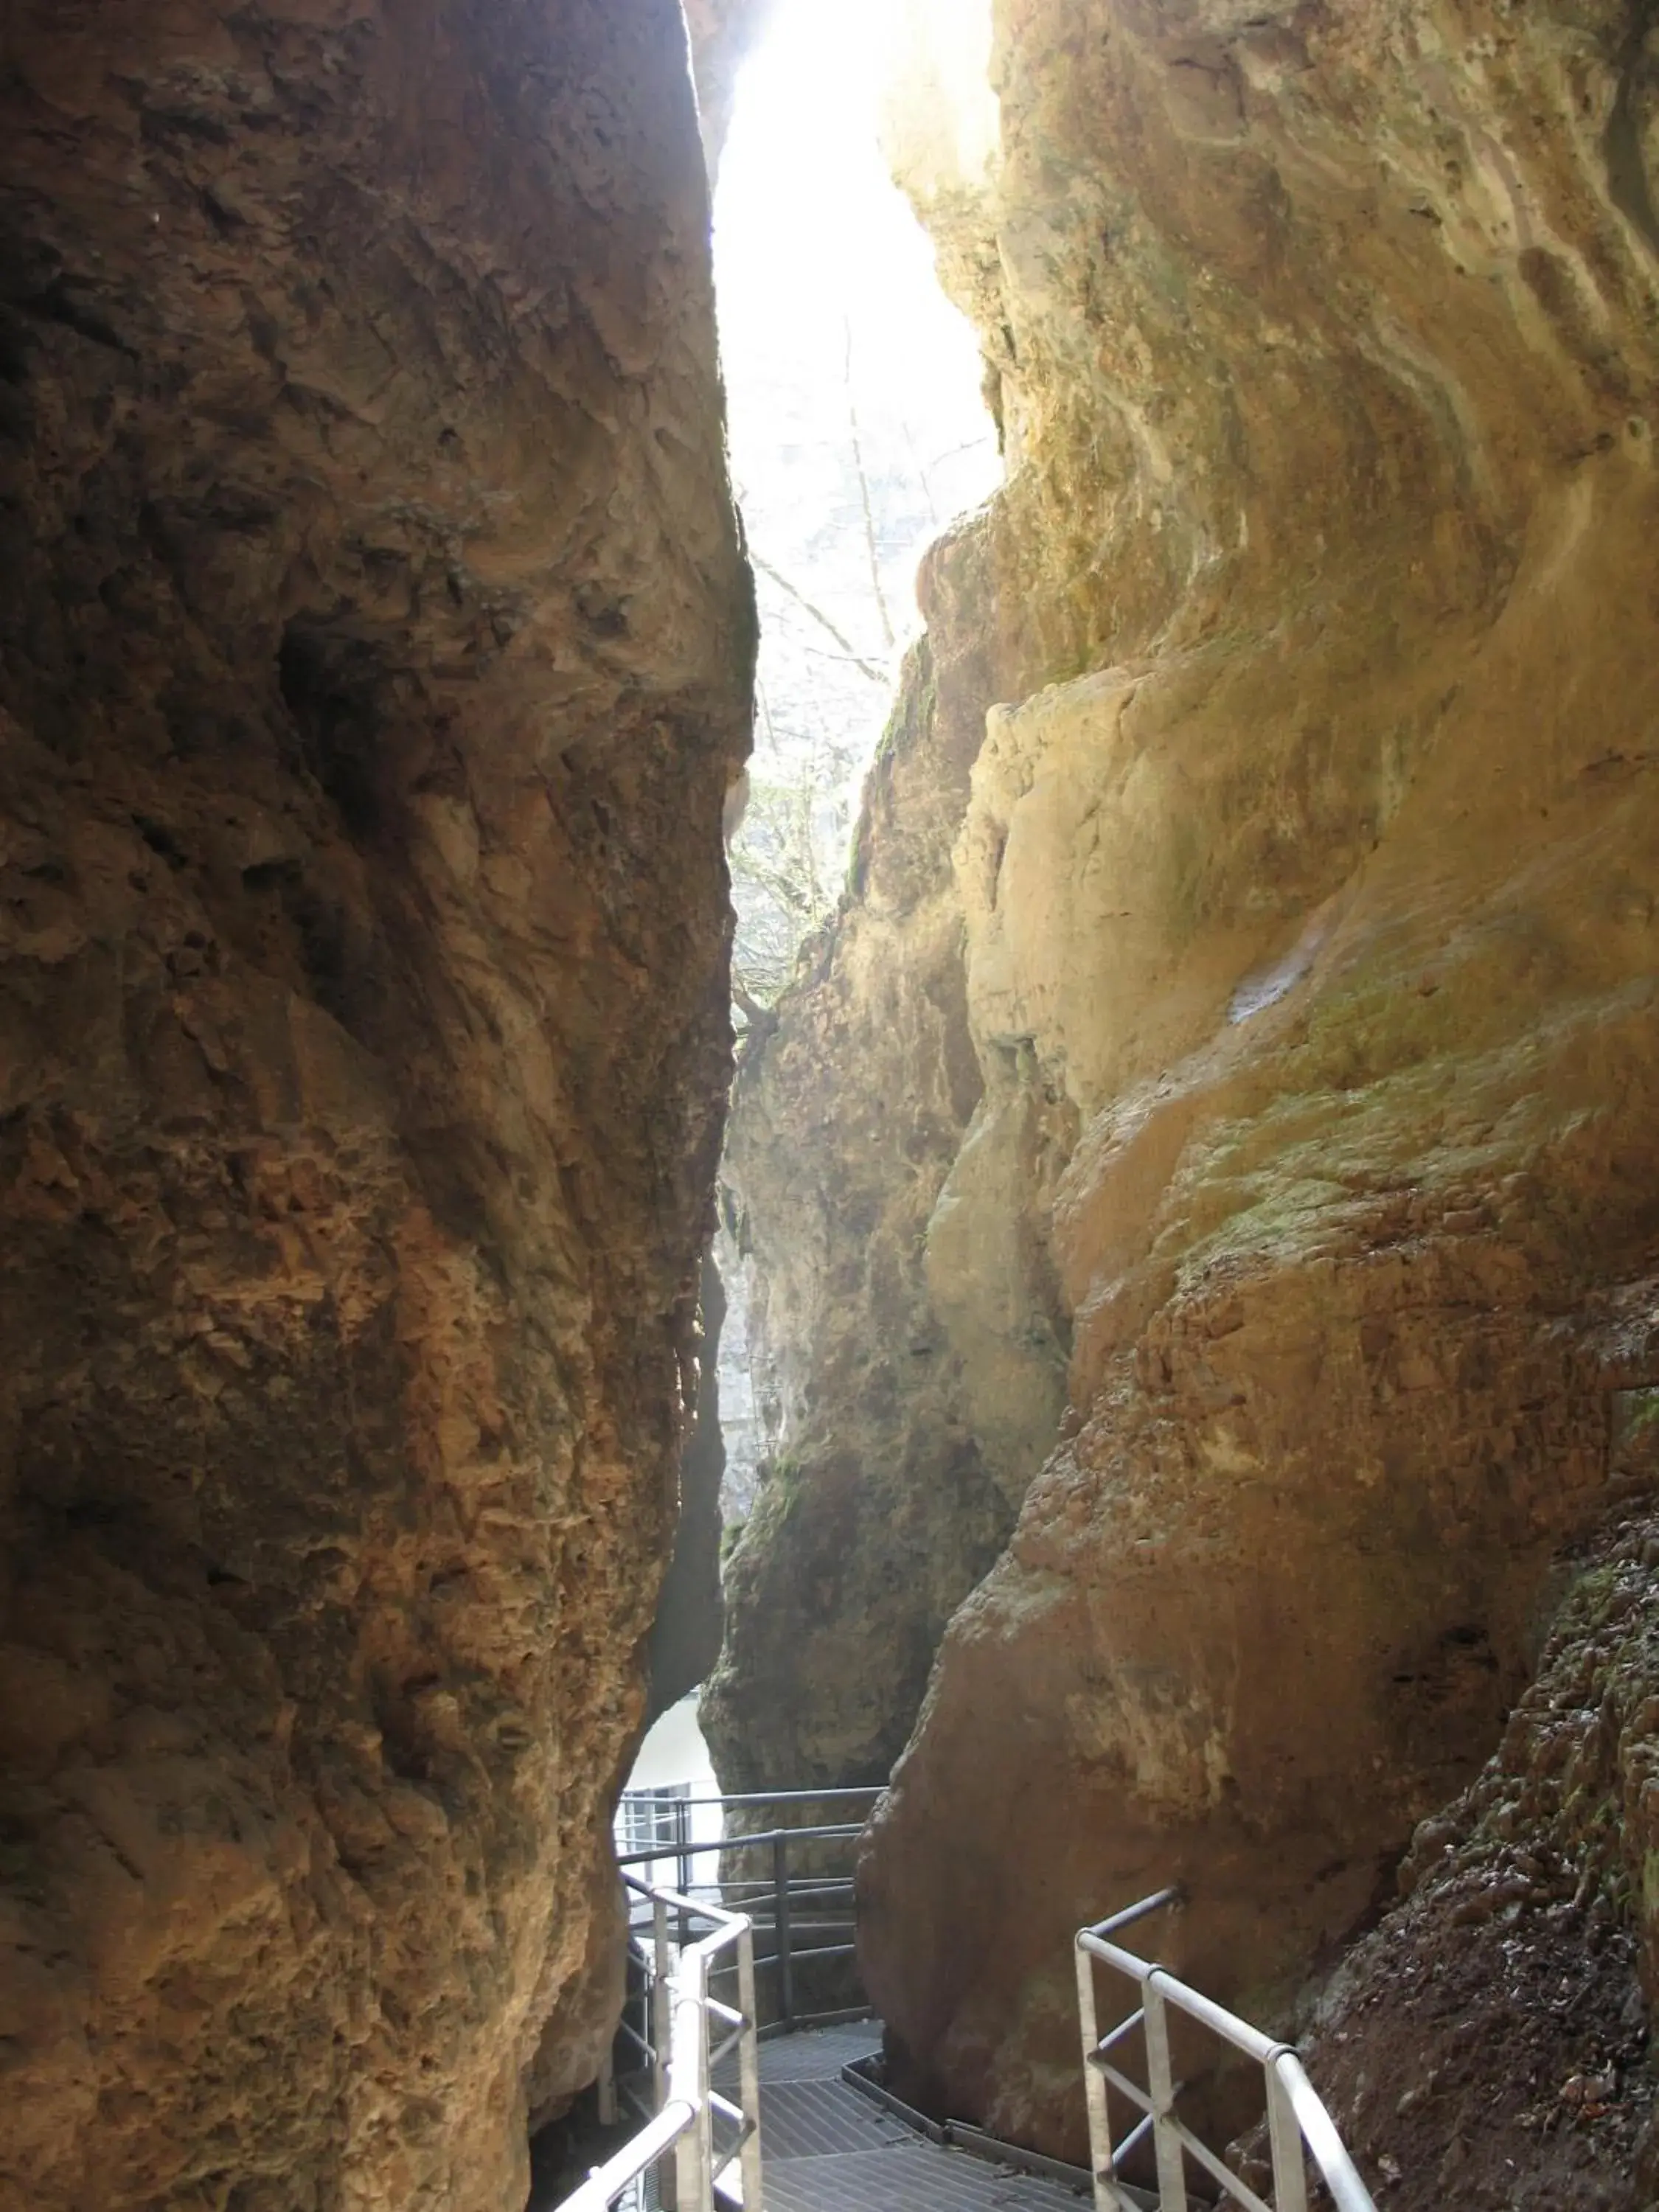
pixel 373 660
pixel 1294 1225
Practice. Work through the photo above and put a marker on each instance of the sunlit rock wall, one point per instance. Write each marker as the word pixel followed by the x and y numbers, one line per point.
pixel 373 659
pixel 722 32
pixel 1303 901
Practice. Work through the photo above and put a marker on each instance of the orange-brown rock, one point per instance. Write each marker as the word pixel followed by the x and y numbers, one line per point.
pixel 374 659
pixel 1306 876
pixel 881 1508
pixel 1488 2044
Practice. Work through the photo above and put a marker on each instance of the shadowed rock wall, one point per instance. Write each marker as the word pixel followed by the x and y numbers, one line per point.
pixel 1487 2046
pixel 685 1635
pixel 1299 1211
pixel 374 658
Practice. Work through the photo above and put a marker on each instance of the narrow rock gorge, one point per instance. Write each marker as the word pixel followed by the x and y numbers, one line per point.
pixel 375 659
pixel 1201 1193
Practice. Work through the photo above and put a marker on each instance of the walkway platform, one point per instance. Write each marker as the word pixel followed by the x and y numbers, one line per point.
pixel 828 2148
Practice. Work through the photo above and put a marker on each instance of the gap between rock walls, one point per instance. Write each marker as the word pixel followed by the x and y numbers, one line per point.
pixel 1122 894
pixel 1184 1394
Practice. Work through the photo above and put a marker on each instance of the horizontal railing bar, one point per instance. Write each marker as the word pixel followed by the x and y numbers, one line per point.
pixel 817 1917
pixel 1137 2096
pixel 758 1908
pixel 841 1886
pixel 761 1797
pixel 1131 1913
pixel 677 1902
pixel 798 1885
pixel 1133 2141
pixel 771 2030
pixel 840 1933
pixel 726 2110
pixel 1124 2027
pixel 1114 1954
pixel 636 2038
pixel 1236 2188
pixel 1227 2025
pixel 757 1885
pixel 657 1852
pixel 608 2181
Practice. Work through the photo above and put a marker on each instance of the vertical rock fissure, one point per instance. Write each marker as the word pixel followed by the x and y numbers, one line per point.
pixel 856 420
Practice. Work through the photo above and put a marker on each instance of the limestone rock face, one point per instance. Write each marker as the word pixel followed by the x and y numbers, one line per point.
pixel 1304 876
pixel 880 1510
pixel 374 658
pixel 685 1636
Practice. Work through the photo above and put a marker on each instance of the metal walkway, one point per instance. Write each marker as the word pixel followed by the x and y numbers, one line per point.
pixel 778 2125
pixel 829 2148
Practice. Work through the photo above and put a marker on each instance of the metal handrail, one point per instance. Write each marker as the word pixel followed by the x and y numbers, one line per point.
pixel 765 1796
pixel 799 1920
pixel 838 1834
pixel 1296 2116
pixel 691 2027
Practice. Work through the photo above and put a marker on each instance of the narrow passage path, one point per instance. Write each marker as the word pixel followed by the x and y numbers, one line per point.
pixel 827 2148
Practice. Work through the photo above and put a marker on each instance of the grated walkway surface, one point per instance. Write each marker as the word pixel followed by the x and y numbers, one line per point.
pixel 826 2148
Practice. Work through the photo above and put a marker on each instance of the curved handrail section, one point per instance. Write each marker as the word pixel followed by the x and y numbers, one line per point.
pixel 684 2123
pixel 1298 2126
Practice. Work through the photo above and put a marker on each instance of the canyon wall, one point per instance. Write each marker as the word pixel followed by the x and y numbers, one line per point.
pixel 685 1633
pixel 1235 1056
pixel 1487 2046
pixel 373 659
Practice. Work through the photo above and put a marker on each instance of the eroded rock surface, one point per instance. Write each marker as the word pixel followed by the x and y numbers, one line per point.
pixel 1305 878
pixel 1487 2046
pixel 880 1510
pixel 373 659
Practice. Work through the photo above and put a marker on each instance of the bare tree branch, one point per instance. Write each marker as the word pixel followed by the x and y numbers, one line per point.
pixel 864 487
pixel 872 669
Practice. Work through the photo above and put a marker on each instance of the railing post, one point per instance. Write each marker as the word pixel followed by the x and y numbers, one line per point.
pixel 683 1866
pixel 1160 2083
pixel 1094 2087
pixel 1284 2137
pixel 780 1929
pixel 661 2031
pixel 749 2072
pixel 694 2175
